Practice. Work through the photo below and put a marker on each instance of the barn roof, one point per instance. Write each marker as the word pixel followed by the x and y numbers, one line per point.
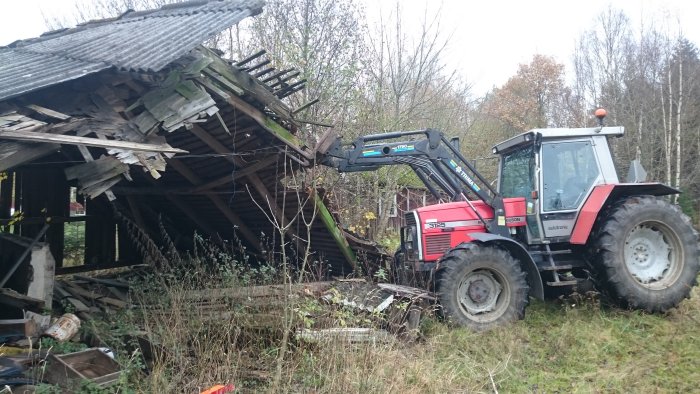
pixel 144 41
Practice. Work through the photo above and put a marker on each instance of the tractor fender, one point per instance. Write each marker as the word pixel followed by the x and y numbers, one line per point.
pixel 517 251
pixel 603 196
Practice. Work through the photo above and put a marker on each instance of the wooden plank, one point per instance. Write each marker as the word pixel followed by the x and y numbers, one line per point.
pixel 100 187
pixel 345 334
pixel 26 153
pixel 106 282
pixel 24 328
pixel 95 296
pixel 119 294
pixel 14 299
pixel 87 141
pixel 48 112
pixel 88 158
pixel 96 171
pixel 309 288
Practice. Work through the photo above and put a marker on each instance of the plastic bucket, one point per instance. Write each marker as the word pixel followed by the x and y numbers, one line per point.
pixel 64 328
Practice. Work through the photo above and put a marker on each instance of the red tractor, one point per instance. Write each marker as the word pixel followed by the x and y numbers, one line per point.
pixel 557 216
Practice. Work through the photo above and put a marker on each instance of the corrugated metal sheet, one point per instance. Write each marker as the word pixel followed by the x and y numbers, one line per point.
pixel 139 41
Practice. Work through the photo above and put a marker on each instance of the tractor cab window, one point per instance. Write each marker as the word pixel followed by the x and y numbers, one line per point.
pixel 517 179
pixel 569 170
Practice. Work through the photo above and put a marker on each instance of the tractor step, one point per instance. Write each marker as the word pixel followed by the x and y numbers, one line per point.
pixel 557 268
pixel 551 252
pixel 563 283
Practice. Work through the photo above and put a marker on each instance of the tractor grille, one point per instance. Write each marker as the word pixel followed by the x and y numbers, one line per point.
pixel 437 244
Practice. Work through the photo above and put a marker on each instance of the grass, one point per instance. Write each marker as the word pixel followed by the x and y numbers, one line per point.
pixel 559 347
pixel 568 345
pixel 572 344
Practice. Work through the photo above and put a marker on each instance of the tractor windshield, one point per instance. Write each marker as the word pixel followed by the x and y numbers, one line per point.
pixel 517 178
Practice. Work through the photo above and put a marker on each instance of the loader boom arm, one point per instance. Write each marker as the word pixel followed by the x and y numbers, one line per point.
pixel 435 160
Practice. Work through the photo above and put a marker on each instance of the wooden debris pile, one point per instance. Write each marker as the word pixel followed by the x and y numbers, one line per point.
pixel 351 309
pixel 354 310
pixel 347 311
pixel 90 297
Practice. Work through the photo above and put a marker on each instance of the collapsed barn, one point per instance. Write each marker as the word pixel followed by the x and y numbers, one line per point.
pixel 158 132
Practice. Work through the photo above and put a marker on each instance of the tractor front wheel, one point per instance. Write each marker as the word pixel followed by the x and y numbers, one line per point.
pixel 481 287
pixel 647 251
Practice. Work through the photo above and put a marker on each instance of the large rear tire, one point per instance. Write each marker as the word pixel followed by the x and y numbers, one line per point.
pixel 647 252
pixel 481 287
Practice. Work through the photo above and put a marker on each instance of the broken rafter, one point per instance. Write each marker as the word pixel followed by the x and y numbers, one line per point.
pixel 248 84
pixel 257 66
pixel 305 106
pixel 251 57
pixel 253 178
pixel 277 75
pixel 287 90
pixel 87 141
pixel 282 81
pixel 187 210
pixel 335 231
pixel 25 153
pixel 268 124
pixel 264 72
pixel 48 112
pixel 194 179
pixel 225 180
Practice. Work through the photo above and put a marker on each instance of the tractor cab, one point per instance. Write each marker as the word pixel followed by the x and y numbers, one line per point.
pixel 555 170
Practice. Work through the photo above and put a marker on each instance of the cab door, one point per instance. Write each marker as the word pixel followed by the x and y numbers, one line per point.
pixel 569 171
pixel 518 178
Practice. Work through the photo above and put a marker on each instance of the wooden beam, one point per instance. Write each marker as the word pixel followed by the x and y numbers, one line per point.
pixel 264 121
pixel 194 179
pixel 87 141
pixel 335 231
pixel 48 112
pixel 225 180
pixel 136 212
pixel 88 158
pixel 187 210
pixel 254 179
pixel 27 153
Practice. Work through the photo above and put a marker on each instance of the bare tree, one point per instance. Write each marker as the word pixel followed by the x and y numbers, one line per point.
pixel 322 39
pixel 406 86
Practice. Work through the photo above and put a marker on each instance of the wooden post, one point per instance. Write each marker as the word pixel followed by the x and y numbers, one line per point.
pixel 100 232
pixel 6 195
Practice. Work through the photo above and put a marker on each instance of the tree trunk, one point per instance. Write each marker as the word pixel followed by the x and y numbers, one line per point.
pixel 668 127
pixel 678 128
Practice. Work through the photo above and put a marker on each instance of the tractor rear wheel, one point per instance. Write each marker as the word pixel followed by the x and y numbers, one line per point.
pixel 647 251
pixel 481 287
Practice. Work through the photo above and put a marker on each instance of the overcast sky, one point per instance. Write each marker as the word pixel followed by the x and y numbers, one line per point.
pixel 490 38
